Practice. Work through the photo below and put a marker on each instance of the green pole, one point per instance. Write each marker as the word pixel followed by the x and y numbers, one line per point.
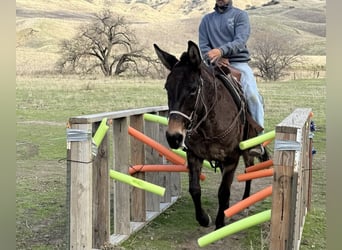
pixel 130 180
pixel 100 132
pixel 156 118
pixel 181 153
pixel 234 228
pixel 257 140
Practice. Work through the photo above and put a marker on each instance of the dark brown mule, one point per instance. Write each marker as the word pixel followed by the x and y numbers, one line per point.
pixel 208 121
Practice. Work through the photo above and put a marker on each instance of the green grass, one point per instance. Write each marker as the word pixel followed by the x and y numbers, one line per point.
pixel 44 106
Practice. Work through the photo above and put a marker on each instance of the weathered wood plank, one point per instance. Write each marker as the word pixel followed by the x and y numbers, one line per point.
pixel 164 178
pixel 152 157
pixel 121 200
pixel 81 191
pixel 175 178
pixel 101 204
pixel 138 199
pixel 114 115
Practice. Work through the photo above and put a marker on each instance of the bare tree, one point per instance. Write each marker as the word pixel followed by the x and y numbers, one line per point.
pixel 106 43
pixel 273 53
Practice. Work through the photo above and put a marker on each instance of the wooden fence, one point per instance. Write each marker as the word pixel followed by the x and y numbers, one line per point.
pixel 292 180
pixel 98 205
pixel 102 210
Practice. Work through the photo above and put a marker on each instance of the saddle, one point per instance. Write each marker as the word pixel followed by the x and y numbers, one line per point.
pixel 223 64
pixel 233 85
pixel 228 69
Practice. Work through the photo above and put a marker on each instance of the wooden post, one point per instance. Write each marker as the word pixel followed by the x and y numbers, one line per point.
pixel 101 205
pixel 81 191
pixel 310 174
pixel 121 201
pixel 288 181
pixel 164 178
pixel 152 157
pixel 175 186
pixel 138 202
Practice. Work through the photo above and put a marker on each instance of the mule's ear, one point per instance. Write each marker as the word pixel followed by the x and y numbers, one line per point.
pixel 167 59
pixel 194 54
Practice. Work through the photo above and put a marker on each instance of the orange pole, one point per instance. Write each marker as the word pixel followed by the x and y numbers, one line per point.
pixel 248 201
pixel 171 156
pixel 161 168
pixel 259 166
pixel 255 174
pixel 265 143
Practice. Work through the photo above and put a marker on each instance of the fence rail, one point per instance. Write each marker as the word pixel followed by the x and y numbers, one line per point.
pixel 102 210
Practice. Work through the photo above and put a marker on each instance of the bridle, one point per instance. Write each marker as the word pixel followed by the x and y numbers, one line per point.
pixel 193 116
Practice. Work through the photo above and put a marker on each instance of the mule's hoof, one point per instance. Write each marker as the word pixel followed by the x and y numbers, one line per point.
pixel 219 226
pixel 205 220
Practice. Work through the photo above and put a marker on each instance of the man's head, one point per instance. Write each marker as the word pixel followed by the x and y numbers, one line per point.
pixel 222 3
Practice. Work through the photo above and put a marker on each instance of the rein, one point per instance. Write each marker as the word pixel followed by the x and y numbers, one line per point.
pixel 227 131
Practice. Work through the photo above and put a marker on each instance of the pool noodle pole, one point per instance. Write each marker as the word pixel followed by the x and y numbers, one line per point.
pixel 181 153
pixel 257 140
pixel 254 198
pixel 256 174
pixel 156 118
pixel 99 135
pixel 234 228
pixel 150 187
pixel 259 166
pixel 176 159
pixel 160 168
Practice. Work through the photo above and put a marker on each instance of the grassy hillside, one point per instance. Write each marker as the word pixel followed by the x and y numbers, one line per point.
pixel 41 25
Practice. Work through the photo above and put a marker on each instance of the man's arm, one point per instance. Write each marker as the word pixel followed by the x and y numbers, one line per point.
pixel 242 32
pixel 203 39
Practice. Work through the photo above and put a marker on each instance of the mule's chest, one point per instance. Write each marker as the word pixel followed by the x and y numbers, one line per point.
pixel 211 149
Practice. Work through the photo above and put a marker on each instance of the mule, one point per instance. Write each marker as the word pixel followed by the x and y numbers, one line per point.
pixel 208 117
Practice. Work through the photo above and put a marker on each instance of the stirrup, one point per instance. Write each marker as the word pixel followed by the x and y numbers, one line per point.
pixel 256 151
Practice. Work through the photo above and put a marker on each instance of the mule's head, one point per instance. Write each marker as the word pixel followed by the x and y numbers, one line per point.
pixel 183 87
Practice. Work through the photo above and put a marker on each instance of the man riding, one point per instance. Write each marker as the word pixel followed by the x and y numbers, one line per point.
pixel 223 36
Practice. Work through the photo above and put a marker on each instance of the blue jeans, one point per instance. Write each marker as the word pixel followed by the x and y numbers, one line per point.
pixel 249 86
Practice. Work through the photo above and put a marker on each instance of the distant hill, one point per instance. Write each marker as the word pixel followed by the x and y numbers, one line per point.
pixel 41 24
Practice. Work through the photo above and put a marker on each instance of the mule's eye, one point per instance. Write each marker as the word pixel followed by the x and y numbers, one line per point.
pixel 193 91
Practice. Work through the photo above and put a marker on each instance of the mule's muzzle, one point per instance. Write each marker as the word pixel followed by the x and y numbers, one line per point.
pixel 175 140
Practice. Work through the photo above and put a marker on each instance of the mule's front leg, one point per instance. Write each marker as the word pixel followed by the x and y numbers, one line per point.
pixel 195 165
pixel 224 193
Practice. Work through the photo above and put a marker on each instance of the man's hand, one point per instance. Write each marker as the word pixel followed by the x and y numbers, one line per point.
pixel 222 62
pixel 214 55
